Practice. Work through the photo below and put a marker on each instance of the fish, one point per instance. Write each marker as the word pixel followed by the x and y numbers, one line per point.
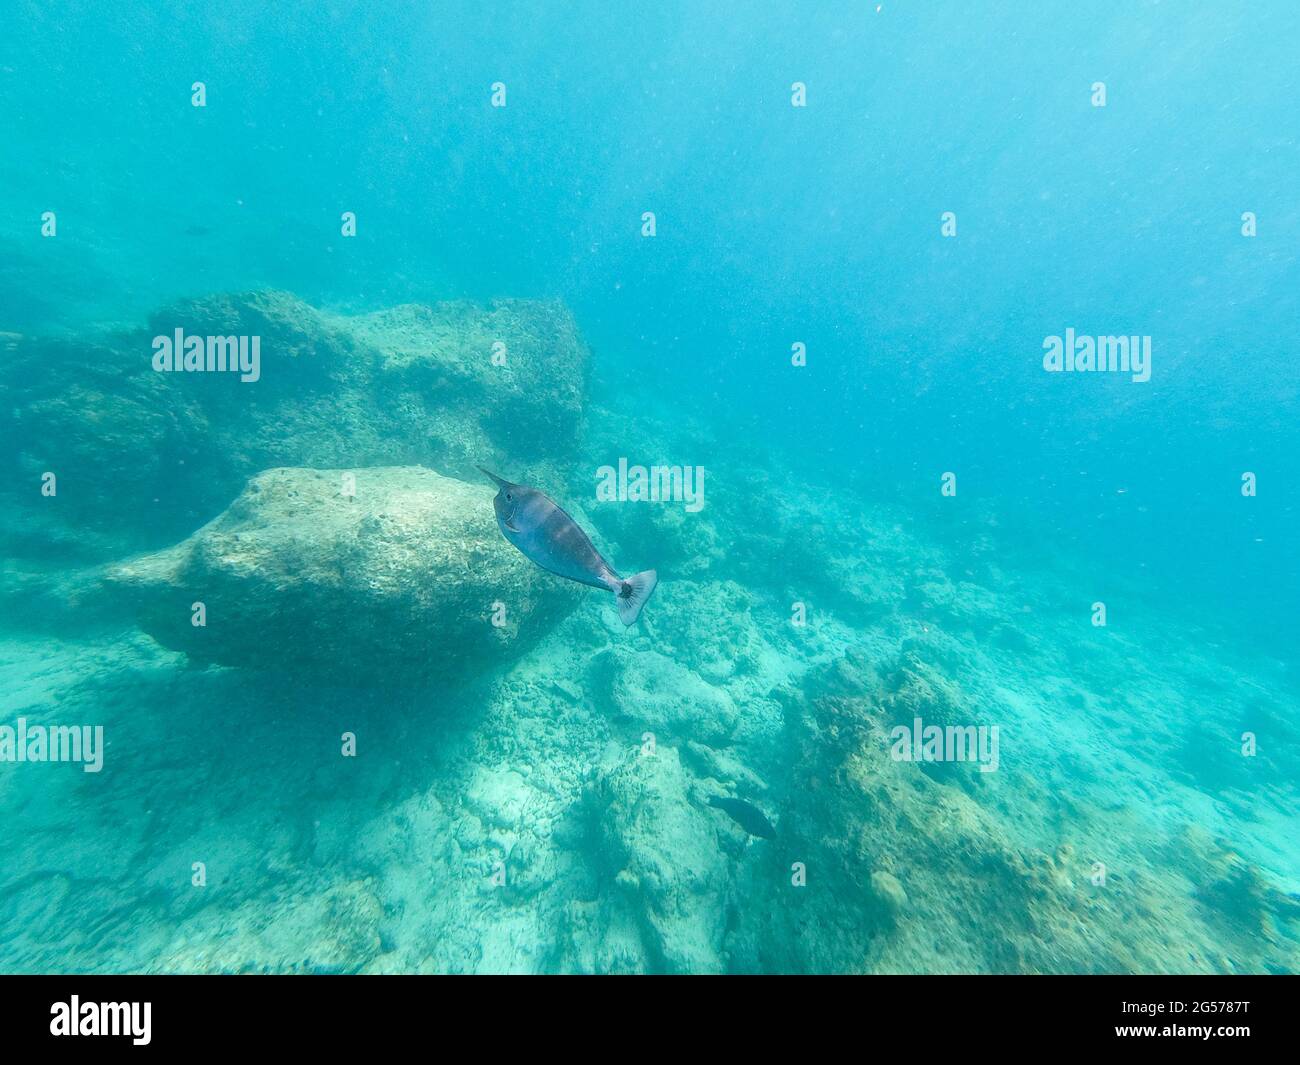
pixel 541 530
pixel 746 815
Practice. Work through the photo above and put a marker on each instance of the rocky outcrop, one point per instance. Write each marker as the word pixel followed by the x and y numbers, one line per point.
pixel 395 582
pixel 142 456
pixel 669 871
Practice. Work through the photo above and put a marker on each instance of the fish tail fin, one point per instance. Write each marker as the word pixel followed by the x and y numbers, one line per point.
pixel 633 594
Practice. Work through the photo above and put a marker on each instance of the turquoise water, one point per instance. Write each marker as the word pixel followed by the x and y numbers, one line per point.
pixel 389 743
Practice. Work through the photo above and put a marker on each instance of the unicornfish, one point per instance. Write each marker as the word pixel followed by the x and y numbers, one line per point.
pixel 540 528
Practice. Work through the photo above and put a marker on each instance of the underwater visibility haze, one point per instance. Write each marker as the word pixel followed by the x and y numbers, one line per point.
pixel 934 365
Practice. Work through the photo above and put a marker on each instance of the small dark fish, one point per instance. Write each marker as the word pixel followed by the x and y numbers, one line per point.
pixel 540 529
pixel 198 231
pixel 746 815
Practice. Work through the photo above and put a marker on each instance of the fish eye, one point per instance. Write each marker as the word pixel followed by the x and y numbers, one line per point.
pixel 509 498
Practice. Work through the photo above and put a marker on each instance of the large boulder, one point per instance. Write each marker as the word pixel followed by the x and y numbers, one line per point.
pixel 142 457
pixel 397 582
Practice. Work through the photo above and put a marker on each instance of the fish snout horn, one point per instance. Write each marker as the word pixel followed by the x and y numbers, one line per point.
pixel 498 481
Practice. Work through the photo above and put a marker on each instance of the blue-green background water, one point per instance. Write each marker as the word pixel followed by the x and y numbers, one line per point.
pixel 776 224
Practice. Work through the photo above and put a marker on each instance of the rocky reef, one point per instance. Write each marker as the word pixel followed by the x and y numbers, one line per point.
pixel 143 457
pixel 534 797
